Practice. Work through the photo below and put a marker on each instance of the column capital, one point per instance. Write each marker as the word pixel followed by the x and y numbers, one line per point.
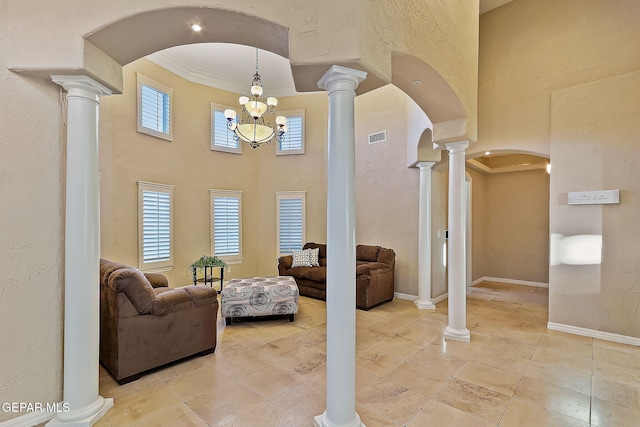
pixel 457 146
pixel 79 81
pixel 425 165
pixel 337 74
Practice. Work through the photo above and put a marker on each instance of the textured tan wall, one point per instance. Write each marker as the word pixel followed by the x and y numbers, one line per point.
pixel 530 48
pixel 31 229
pixel 386 190
pixel 529 52
pixel 599 123
pixel 307 172
pixel 479 212
pixel 189 165
pixel 517 226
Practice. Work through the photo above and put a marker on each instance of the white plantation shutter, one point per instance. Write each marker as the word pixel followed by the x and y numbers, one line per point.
pixel 291 221
pixel 293 142
pixel 154 108
pixel 227 223
pixel 221 137
pixel 155 223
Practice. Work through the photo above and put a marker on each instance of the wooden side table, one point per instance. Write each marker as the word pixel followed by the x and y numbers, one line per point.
pixel 208 278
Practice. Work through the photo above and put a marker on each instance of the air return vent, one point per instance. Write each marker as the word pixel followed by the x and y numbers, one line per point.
pixel 381 136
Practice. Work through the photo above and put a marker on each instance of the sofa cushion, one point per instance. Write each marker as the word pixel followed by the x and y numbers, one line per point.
pixel 373 266
pixel 107 268
pixel 157 280
pixel 171 300
pixel 367 253
pixel 201 295
pixel 317 274
pixel 362 269
pixel 286 261
pixel 135 286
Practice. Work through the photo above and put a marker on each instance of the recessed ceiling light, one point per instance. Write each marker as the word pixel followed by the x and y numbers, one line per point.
pixel 416 82
pixel 196 28
pixel 486 153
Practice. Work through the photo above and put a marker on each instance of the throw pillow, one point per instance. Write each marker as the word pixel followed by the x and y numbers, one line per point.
pixel 300 259
pixel 313 257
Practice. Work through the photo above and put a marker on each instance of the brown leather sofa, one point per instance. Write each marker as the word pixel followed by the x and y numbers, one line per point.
pixel 145 324
pixel 375 267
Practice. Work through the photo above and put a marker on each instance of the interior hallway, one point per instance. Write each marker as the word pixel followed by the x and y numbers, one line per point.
pixel 514 372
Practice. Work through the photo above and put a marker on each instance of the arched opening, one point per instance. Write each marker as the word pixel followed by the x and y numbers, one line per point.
pixel 510 218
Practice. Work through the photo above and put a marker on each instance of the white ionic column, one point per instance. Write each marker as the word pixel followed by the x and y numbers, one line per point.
pixel 424 300
pixel 341 84
pixel 457 300
pixel 82 255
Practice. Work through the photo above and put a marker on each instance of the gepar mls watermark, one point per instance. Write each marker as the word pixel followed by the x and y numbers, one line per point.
pixel 52 407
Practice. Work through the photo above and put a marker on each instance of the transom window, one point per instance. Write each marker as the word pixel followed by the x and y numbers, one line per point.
pixel 221 137
pixel 293 142
pixel 154 108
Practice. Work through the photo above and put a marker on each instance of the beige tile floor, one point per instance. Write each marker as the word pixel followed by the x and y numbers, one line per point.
pixel 514 372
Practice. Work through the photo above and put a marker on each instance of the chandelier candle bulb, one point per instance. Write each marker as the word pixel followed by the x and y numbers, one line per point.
pixel 250 125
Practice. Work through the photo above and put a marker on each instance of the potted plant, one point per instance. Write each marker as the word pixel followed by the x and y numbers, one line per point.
pixel 205 261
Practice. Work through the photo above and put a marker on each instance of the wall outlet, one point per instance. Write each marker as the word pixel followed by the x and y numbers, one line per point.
pixel 228 268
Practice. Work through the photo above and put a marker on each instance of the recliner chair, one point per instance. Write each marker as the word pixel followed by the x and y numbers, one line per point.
pixel 145 324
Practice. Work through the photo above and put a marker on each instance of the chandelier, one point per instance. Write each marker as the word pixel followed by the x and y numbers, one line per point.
pixel 250 126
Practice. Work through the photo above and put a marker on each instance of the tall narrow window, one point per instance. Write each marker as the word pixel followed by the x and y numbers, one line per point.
pixel 221 137
pixel 290 216
pixel 226 224
pixel 293 142
pixel 155 226
pixel 154 108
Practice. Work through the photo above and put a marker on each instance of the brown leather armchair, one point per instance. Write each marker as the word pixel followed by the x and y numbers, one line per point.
pixel 145 324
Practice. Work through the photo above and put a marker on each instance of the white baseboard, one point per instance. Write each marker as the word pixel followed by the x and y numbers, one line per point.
pixel 29 420
pixel 409 297
pixel 441 298
pixel 592 333
pixel 510 281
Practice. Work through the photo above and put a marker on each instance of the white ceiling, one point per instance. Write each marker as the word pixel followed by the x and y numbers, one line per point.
pixel 228 66
pixel 231 66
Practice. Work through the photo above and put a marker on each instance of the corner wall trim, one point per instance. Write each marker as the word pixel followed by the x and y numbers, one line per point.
pixel 510 281
pixel 28 420
pixel 607 336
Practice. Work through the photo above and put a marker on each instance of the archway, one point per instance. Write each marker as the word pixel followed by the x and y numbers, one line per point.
pixel 123 31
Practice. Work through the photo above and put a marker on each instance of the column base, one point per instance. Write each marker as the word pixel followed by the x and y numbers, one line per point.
pixel 322 421
pixel 457 334
pixel 425 305
pixel 81 419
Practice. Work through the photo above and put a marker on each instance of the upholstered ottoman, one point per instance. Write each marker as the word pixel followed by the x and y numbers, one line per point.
pixel 259 296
